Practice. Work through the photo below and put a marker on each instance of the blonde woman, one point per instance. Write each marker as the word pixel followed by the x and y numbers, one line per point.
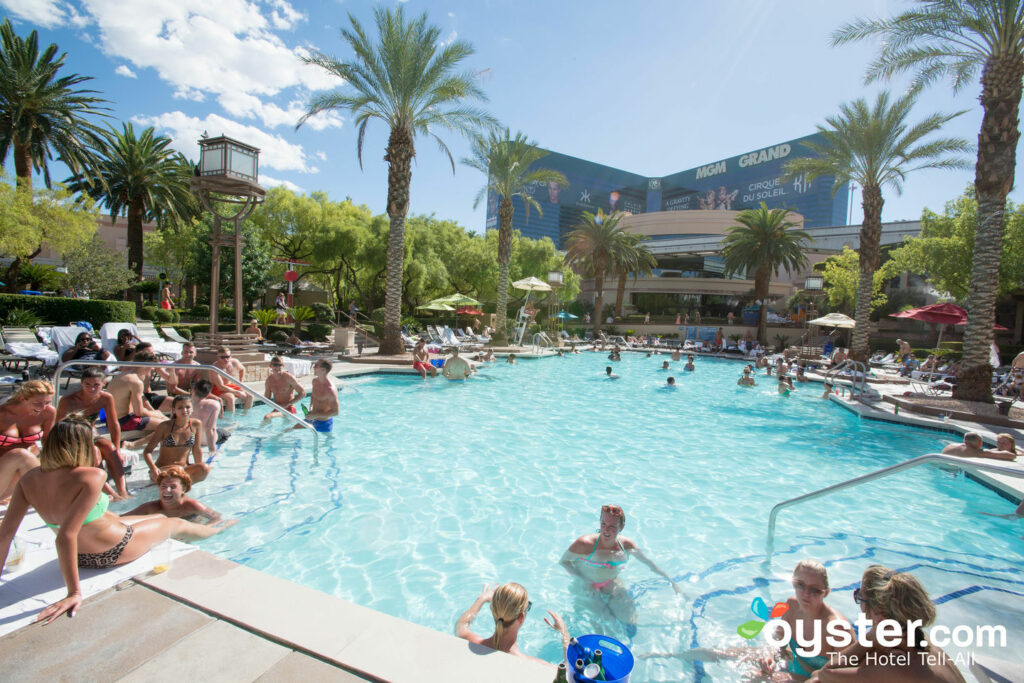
pixel 509 606
pixel 25 420
pixel 67 492
pixel 886 594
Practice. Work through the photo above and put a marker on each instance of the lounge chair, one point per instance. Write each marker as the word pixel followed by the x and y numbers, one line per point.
pixel 147 332
pixel 109 331
pixel 21 346
pixel 173 335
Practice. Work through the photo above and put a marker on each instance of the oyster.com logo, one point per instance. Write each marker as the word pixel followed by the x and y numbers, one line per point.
pixel 751 628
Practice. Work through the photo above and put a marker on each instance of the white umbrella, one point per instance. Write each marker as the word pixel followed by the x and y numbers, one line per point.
pixel 532 284
pixel 834 320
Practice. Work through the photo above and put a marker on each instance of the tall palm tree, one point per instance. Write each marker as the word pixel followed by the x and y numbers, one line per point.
pixel 765 241
pixel 408 81
pixel 595 243
pixel 40 113
pixel 637 259
pixel 508 164
pixel 876 146
pixel 957 38
pixel 141 177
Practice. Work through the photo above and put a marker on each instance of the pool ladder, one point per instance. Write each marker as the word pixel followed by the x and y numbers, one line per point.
pixel 858 376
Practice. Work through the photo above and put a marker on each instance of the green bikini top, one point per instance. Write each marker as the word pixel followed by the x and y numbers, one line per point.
pixel 98 510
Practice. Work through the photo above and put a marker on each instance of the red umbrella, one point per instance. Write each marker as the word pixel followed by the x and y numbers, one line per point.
pixel 943 314
pixel 468 310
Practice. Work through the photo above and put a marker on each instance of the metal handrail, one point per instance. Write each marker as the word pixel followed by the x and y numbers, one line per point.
pixel 884 472
pixel 356 326
pixel 128 363
pixel 856 367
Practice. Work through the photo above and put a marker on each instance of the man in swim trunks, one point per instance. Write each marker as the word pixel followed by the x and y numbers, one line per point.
pixel 323 399
pixel 90 400
pixel 282 388
pixel 179 380
pixel 229 391
pixel 127 387
pixel 421 360
pixel 456 367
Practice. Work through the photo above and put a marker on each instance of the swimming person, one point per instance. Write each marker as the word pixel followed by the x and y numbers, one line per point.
pixel 509 606
pixel 746 380
pixel 828 390
pixel 174 483
pixel 973 447
pixel 608 373
pixel 689 363
pixel 323 399
pixel 886 594
pixel 664 366
pixel 670 383
pixel 25 420
pixel 67 493
pixel 599 559
pixel 176 439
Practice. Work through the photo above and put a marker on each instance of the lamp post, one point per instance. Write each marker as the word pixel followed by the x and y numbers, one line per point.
pixel 555 280
pixel 227 175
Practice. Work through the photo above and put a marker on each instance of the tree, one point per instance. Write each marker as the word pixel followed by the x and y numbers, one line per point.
pixel 40 113
pixel 765 241
pixel 634 258
pixel 256 264
pixel 956 39
pixel 408 81
pixel 594 244
pixel 143 178
pixel 842 280
pixel 875 146
pixel 508 162
pixel 172 248
pixel 97 270
pixel 945 250
pixel 31 220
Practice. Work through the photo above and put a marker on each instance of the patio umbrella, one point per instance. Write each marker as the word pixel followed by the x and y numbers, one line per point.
pixel 435 306
pixel 532 284
pixel 457 299
pixel 566 315
pixel 468 310
pixel 834 320
pixel 940 314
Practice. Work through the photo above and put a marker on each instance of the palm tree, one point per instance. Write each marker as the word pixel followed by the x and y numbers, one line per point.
pixel 40 113
pixel 143 178
pixel 408 81
pixel 595 243
pixel 765 242
pixel 875 147
pixel 508 164
pixel 956 38
pixel 636 259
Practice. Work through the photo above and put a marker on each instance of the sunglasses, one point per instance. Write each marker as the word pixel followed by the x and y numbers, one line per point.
pixel 529 604
pixel 227 356
pixel 812 590
pixel 613 510
pixel 277 365
pixel 856 597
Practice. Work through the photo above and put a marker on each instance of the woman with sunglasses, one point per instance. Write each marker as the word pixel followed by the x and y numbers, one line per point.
pixel 599 559
pixel 509 606
pixel 886 594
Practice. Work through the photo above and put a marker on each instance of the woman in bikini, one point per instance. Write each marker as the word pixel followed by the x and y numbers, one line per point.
pixel 176 438
pixel 509 606
pixel 25 420
pixel 66 492
pixel 599 559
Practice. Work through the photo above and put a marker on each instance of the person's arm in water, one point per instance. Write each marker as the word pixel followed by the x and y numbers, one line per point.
pixel 575 551
pixel 462 626
pixel 633 549
pixel 195 507
pixel 197 445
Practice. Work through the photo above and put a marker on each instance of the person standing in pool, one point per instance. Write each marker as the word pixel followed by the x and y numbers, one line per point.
pixel 599 559
pixel 746 380
pixel 509 606
pixel 282 388
pixel 456 367
pixel 689 363
pixel 323 399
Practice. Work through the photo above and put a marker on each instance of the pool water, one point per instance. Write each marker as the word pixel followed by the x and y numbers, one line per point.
pixel 427 490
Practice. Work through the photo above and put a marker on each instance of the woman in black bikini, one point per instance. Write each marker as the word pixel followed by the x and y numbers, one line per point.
pixel 67 492
pixel 25 419
pixel 177 438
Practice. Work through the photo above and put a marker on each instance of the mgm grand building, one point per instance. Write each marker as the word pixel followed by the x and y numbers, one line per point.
pixel 685 215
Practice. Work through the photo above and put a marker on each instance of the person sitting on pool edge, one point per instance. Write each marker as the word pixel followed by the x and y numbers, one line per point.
pixel 421 360
pixel 886 594
pixel 323 399
pixel 456 367
pixel 973 446
pixel 174 483
pixel 509 606
pixel 746 380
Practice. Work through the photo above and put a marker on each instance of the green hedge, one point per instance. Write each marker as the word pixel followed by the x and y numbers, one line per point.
pixel 58 310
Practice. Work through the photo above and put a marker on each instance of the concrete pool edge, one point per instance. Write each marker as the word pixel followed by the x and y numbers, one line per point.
pixel 358 639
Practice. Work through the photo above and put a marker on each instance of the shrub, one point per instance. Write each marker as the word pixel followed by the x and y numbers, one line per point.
pixel 62 311
pixel 148 288
pixel 319 331
pixel 20 317
pixel 278 336
pixel 226 313
pixel 200 311
pixel 185 332
pixel 148 313
pixel 163 316
pixel 324 312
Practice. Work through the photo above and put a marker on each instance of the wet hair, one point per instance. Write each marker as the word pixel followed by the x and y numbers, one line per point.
pixel 202 388
pixel 326 364
pixel 896 595
pixel 671 380
pixel 608 369
pixel 1013 442
pixel 176 472
pixel 29 390
pixel 69 444
pixel 813 566
pixel 974 438
pixel 508 602
pixel 123 336
pixel 93 372
pixel 615 511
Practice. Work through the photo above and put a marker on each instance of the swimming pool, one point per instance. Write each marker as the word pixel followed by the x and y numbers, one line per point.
pixel 428 490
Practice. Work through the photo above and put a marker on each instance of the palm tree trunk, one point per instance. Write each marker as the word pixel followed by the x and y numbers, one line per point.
pixel 500 336
pixel 993 179
pixel 762 279
pixel 23 164
pixel 400 152
pixel 868 256
pixel 134 238
pixel 620 293
pixel 599 268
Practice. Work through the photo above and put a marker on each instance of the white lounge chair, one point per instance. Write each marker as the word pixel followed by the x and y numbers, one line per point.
pixel 148 333
pixel 108 334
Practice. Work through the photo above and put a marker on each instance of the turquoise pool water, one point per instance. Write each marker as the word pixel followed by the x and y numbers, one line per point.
pixel 428 490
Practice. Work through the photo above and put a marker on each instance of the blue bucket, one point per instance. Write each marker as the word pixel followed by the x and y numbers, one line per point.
pixel 616 659
pixel 437 362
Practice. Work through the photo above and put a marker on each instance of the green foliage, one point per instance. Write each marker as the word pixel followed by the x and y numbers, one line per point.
pixel 200 311
pixel 172 248
pixel 39 277
pixel 324 312
pixel 31 221
pixel 22 317
pixel 148 312
pixel 256 264
pixel 945 250
pixel 61 310
pixel 278 336
pixel 320 331
pixel 164 316
pixel 842 273
pixel 226 313
pixel 95 269
pixel 264 316
pixel 302 313
pixel 148 288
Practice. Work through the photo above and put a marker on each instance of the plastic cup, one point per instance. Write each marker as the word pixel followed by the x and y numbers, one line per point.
pixel 161 557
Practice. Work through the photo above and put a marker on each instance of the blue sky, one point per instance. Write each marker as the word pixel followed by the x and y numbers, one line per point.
pixel 652 88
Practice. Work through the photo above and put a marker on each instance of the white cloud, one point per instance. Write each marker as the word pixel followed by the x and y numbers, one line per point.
pixel 275 151
pixel 322 156
pixel 267 181
pixel 450 38
pixel 227 49
pixel 46 13
pixel 125 71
